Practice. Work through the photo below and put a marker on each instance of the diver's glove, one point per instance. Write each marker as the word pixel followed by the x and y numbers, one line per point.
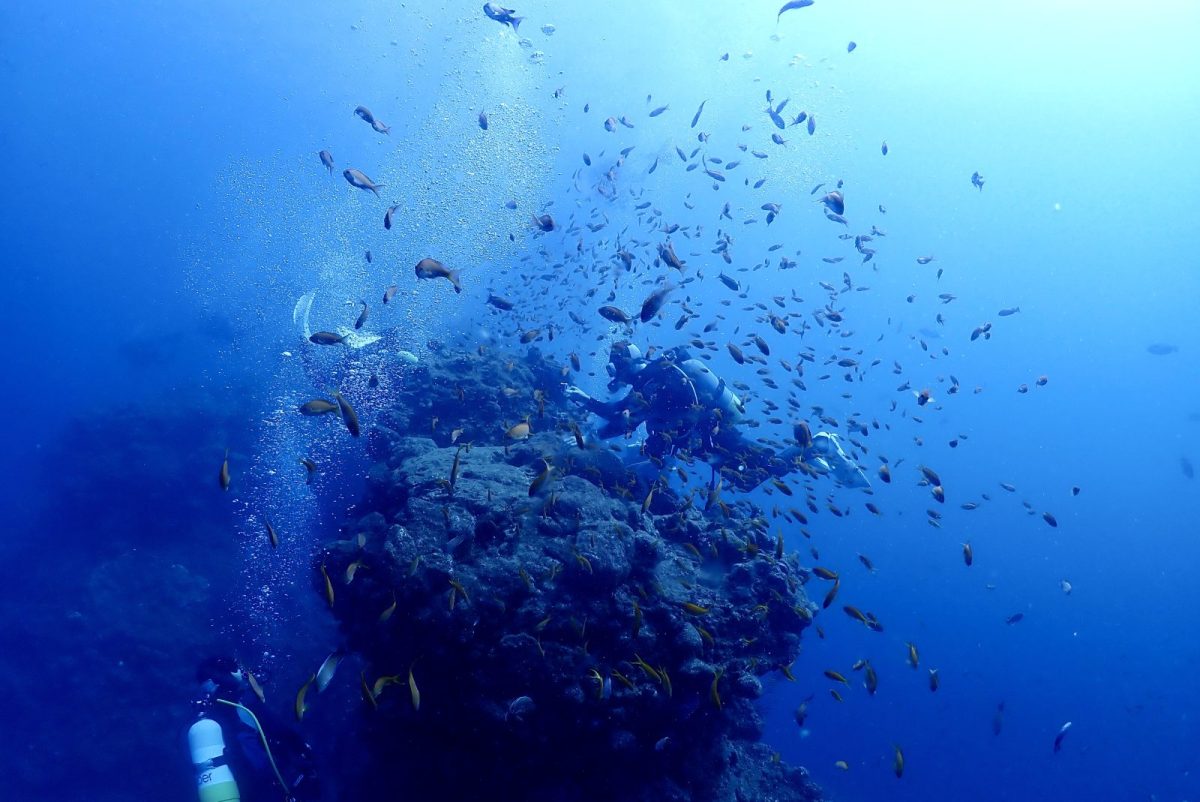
pixel 826 456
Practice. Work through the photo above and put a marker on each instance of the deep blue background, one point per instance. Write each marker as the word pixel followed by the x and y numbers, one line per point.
pixel 165 208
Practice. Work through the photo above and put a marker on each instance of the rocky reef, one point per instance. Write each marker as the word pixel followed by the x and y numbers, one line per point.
pixel 536 623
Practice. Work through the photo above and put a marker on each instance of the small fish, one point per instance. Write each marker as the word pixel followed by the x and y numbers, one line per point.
pixel 256 686
pixel 365 114
pixel 521 431
pixel 413 691
pixel 505 16
pixel 914 659
pixel 352 568
pixel 349 416
pixel 1065 586
pixel 359 180
pixel 968 554
pixel 1058 739
pixel 328 668
pixel 1015 618
pixel 696 116
pixel 544 222
pixel 659 111
pixel 272 536
pixel 835 202
pixel 483 120
pixel 367 693
pixel 432 268
pixel 836 676
pixel 654 302
pixel 884 148
pixel 326 159
pixel 713 692
pixel 540 480
pixel 223 477
pixel 977 181
pixel 610 124
pixel 1050 519
pixel 1012 310
pixel 326 338
pixel 934 682
pixel 841 764
pixel 301 706
pixel 362 316
pixel 329 597
pixel 792 5
pixel 310 467
pixel 390 293
pixel 614 314
pixel 390 611
pixel 898 762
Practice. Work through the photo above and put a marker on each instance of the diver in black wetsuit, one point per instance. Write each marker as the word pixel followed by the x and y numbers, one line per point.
pixel 244 726
pixel 688 410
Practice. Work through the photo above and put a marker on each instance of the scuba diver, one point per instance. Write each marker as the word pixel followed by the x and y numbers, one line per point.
pixel 267 755
pixel 687 410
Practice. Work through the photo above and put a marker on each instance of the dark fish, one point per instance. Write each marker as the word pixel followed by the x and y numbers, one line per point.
pixel 977 181
pixel 736 353
pixel 731 283
pixel 387 216
pixel 317 406
pixel 614 314
pixel 654 302
pixel 544 222
pixel 327 160
pixel 483 120
pixel 349 416
pixel 326 338
pixel 1162 349
pixel 367 255
pixel 505 16
pixel 432 268
pixel 883 148
pixel 659 111
pixel 359 180
pixel 1012 310
pixel 223 477
pixel 1015 618
pixel 850 49
pixel 500 303
pixel 610 124
pixel 587 160
pixel 835 202
pixel 390 293
pixel 791 5
pixel 812 124
pixel 696 117
pixel 666 252
pixel 367 116
pixel 362 316
pixel 1050 519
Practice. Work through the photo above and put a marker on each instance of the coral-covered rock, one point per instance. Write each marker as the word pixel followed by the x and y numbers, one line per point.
pixel 564 634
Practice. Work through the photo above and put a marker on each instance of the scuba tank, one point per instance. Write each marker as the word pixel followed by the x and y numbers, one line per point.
pixel 214 780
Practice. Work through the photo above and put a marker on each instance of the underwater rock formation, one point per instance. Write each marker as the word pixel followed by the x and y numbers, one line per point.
pixel 568 640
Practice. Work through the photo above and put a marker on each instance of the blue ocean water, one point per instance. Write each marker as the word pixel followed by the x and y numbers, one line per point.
pixel 167 211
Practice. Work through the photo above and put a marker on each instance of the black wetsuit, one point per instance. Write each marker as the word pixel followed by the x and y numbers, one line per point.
pixel 688 411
